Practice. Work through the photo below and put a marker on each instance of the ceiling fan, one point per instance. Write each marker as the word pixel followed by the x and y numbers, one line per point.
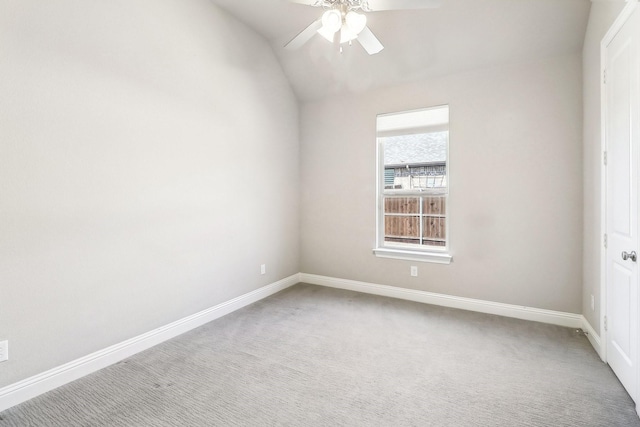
pixel 344 21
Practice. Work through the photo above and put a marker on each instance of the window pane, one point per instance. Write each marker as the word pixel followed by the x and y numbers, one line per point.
pixel 405 223
pixel 435 205
pixel 402 205
pixel 434 226
pixel 402 229
pixel 415 162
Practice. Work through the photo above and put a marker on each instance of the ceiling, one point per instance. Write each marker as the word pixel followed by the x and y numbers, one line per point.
pixel 459 36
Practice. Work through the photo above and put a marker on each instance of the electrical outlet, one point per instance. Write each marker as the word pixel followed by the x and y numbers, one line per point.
pixel 263 268
pixel 4 351
pixel 593 303
pixel 414 271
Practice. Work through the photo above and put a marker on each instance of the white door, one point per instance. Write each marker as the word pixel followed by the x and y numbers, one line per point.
pixel 622 132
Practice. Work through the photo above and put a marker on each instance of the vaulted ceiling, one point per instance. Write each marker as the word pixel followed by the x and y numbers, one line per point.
pixel 459 36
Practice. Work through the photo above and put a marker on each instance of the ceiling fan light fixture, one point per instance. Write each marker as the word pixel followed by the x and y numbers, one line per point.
pixel 355 22
pixel 324 32
pixel 332 20
pixel 331 23
pixel 344 16
pixel 346 34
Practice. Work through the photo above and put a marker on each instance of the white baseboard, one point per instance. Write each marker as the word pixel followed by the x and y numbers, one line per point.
pixel 31 387
pixel 519 312
pixel 594 338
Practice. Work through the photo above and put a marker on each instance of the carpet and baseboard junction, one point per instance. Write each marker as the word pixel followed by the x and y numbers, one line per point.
pixel 310 355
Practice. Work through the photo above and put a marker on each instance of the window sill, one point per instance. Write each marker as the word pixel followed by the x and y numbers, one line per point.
pixel 433 257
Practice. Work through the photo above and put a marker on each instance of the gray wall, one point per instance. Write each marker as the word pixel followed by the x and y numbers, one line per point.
pixel 602 15
pixel 148 166
pixel 515 186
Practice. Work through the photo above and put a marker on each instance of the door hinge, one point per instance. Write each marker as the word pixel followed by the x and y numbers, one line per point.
pixel 604 158
pixel 605 241
pixel 606 327
pixel 604 76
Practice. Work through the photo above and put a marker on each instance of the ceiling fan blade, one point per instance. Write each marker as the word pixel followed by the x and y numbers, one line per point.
pixel 304 36
pixel 376 5
pixel 369 42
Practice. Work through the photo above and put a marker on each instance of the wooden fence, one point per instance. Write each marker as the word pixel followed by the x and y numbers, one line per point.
pixel 416 220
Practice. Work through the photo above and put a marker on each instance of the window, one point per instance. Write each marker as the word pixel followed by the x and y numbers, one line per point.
pixel 413 185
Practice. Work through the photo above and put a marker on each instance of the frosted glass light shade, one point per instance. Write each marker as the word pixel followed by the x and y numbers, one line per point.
pixel 332 20
pixel 356 22
pixel 346 34
pixel 326 34
pixel 331 23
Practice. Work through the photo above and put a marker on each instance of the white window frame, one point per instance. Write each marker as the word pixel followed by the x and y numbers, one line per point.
pixel 433 254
